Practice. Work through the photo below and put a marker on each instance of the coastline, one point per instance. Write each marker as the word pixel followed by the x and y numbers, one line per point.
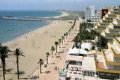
pixel 63 14
pixel 36 43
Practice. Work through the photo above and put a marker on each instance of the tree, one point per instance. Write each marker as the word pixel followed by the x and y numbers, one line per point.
pixel 94 33
pixel 63 39
pixel 65 35
pixel 47 55
pixel 4 50
pixel 17 54
pixel 88 20
pixel 40 62
pixel 60 42
pixel 52 49
pixel 56 44
pixel 77 40
pixel 102 42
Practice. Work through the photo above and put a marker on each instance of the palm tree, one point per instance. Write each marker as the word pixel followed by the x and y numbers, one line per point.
pixel 56 44
pixel 65 35
pixel 60 42
pixel 52 49
pixel 40 62
pixel 4 50
pixel 47 55
pixel 63 39
pixel 18 53
pixel 69 30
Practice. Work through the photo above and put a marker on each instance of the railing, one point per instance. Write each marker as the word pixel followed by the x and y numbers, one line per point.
pixel 114 52
pixel 116 40
pixel 105 70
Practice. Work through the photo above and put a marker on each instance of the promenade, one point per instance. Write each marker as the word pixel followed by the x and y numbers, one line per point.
pixel 56 63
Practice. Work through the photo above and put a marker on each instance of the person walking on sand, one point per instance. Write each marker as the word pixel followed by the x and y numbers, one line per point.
pixel 45 65
pixel 55 68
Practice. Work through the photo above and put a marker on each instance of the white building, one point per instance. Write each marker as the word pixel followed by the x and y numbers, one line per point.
pixel 87 13
pixel 91 14
pixel 92 10
pixel 76 65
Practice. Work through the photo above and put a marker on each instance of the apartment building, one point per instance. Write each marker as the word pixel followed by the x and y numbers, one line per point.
pixel 107 19
pixel 112 30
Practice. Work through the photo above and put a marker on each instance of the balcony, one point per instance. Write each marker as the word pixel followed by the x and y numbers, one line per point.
pixel 115 52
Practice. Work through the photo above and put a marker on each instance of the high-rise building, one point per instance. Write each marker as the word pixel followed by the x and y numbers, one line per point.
pixel 87 13
pixel 92 10
pixel 91 14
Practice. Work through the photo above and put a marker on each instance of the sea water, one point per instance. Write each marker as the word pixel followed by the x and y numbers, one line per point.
pixel 10 29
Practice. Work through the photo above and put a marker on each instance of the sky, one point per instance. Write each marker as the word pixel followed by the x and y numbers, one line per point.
pixel 54 4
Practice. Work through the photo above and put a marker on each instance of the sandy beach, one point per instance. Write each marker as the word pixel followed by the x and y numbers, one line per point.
pixel 62 14
pixel 34 45
pixel 59 60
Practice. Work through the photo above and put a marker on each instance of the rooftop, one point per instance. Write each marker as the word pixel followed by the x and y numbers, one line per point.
pixel 86 45
pixel 109 55
pixel 74 58
pixel 101 65
pixel 76 51
pixel 88 63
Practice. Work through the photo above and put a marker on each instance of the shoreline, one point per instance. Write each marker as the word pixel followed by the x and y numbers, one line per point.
pixel 35 44
pixel 63 14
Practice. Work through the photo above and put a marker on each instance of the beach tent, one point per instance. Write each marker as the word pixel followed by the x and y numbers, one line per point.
pixel 76 51
pixel 73 58
pixel 86 46
pixel 73 51
pixel 83 51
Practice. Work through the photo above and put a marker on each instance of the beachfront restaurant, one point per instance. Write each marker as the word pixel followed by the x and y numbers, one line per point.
pixel 89 68
pixel 78 68
pixel 76 64
pixel 72 69
pixel 77 52
pixel 81 52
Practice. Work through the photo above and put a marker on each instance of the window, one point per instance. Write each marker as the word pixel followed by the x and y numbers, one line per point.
pixel 78 79
pixel 117 27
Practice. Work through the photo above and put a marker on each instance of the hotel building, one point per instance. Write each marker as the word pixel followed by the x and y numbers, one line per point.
pixel 76 65
pixel 107 19
pixel 108 61
pixel 91 14
pixel 112 30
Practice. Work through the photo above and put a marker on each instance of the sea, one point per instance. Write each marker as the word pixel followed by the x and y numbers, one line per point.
pixel 10 29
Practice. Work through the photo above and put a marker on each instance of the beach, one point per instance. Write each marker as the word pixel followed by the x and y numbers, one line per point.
pixel 62 14
pixel 34 46
pixel 57 63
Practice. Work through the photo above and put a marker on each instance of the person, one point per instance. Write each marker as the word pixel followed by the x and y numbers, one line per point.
pixel 55 68
pixel 45 65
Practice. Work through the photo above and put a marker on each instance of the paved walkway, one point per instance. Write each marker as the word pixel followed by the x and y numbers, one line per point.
pixel 56 63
